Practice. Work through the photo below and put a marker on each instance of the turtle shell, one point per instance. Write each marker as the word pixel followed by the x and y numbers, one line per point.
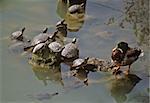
pixel 78 62
pixel 38 47
pixel 74 8
pixel 55 46
pixel 17 34
pixel 70 51
pixel 39 38
pixel 60 23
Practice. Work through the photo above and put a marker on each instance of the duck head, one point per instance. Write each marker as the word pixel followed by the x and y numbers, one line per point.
pixel 123 46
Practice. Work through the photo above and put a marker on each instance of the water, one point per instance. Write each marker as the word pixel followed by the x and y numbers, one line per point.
pixel 19 81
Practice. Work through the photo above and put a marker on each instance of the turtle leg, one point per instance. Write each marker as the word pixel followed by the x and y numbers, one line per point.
pixel 20 38
pixel 86 81
pixel 99 68
pixel 127 71
pixel 74 73
pixel 50 61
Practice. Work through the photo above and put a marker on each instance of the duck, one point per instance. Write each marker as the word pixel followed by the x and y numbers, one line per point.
pixel 123 55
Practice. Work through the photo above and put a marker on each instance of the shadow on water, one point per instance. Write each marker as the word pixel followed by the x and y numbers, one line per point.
pixel 120 88
pixel 142 97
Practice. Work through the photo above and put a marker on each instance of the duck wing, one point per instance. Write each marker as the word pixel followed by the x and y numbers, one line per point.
pixel 131 56
pixel 133 52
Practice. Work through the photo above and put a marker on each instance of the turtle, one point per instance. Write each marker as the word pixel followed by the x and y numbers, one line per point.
pixel 40 53
pixel 70 50
pixel 38 47
pixel 41 38
pixel 123 55
pixel 18 35
pixel 61 27
pixel 55 47
pixel 79 62
pixel 77 8
pixel 42 56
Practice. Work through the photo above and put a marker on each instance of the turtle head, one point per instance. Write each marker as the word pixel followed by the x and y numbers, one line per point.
pixel 23 29
pixel 74 40
pixel 86 59
pixel 45 30
pixel 61 24
pixel 62 48
pixel 63 21
pixel 82 5
pixel 123 46
pixel 53 35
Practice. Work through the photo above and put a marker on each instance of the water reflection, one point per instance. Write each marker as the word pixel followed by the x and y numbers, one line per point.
pixel 17 47
pixel 120 88
pixel 74 21
pixel 52 73
pixel 81 75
